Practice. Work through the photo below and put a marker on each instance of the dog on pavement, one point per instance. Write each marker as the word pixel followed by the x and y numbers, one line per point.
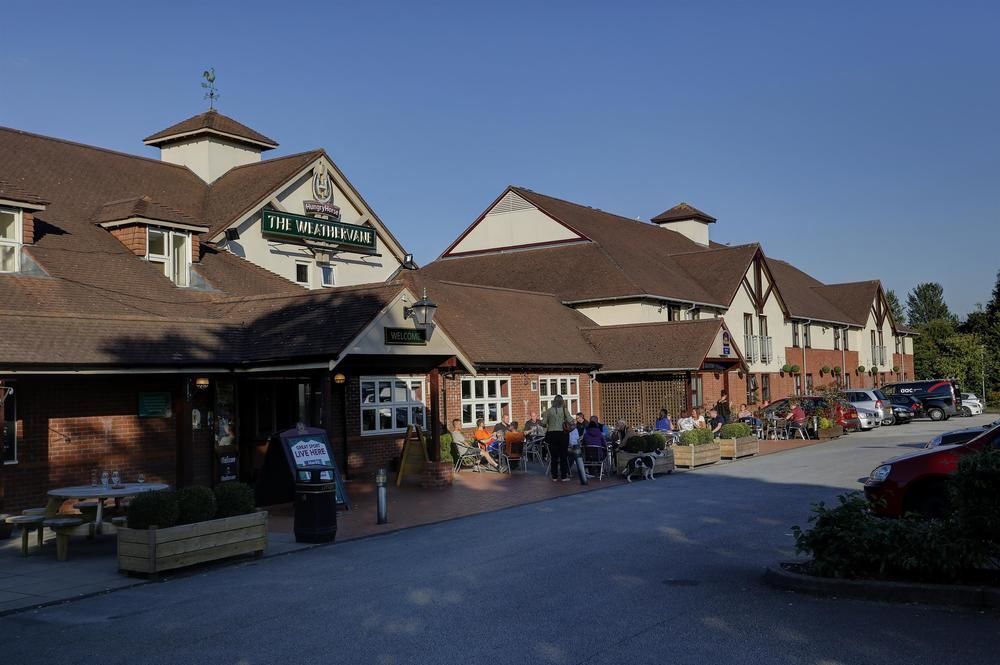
pixel 643 464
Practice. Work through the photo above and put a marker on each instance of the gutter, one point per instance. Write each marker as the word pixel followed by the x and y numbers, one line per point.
pixel 643 296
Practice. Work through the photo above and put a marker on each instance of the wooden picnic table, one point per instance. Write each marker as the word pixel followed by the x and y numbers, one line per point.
pixel 102 493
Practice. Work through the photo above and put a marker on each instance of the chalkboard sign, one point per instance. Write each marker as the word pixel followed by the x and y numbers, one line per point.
pixel 154 405
pixel 306 447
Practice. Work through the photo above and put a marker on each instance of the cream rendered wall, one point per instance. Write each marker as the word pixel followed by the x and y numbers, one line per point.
pixel 513 229
pixel 693 229
pixel 280 255
pixel 865 348
pixel 625 313
pixel 741 305
pixel 822 336
pixel 209 158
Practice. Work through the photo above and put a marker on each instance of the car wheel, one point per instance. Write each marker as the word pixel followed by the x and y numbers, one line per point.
pixel 967 412
pixel 891 420
pixel 935 414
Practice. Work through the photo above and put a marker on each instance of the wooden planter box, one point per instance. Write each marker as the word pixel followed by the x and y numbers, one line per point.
pixel 690 456
pixel 744 446
pixel 664 463
pixel 830 433
pixel 155 550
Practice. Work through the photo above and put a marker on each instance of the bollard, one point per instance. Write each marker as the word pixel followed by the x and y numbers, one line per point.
pixel 380 480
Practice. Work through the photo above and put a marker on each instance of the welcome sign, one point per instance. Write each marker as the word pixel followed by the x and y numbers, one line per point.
pixel 311 228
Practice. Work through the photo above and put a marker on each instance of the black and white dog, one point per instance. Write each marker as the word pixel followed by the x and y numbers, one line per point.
pixel 642 464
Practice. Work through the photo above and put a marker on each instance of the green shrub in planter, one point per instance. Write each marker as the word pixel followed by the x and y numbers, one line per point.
pixel 825 369
pixel 735 431
pixel 446 445
pixel 157 509
pixel 690 437
pixel 786 368
pixel 975 497
pixel 825 423
pixel 233 499
pixel 658 441
pixel 195 504
pixel 836 370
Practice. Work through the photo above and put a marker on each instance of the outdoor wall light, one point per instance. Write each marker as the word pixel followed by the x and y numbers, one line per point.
pixel 422 312
pixel 339 378
pixel 201 383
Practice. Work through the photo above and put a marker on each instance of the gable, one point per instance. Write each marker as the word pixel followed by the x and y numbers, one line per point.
pixel 511 222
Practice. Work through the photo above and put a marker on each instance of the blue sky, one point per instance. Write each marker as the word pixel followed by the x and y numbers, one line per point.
pixel 856 139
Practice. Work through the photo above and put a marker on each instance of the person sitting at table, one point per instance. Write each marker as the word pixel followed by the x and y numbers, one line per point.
pixel 619 435
pixel 503 426
pixel 533 426
pixel 746 415
pixel 796 419
pixel 744 412
pixel 699 420
pixel 464 447
pixel 593 433
pixel 686 423
pixel 663 423
pixel 488 445
pixel 581 423
pixel 716 421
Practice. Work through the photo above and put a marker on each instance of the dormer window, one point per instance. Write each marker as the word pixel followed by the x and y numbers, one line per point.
pixel 10 239
pixel 172 250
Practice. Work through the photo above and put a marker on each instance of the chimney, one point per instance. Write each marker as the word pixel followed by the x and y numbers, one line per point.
pixel 210 144
pixel 686 220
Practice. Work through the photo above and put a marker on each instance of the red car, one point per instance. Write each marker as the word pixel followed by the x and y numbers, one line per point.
pixel 918 482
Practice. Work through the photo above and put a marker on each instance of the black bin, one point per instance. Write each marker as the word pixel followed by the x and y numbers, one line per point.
pixel 315 505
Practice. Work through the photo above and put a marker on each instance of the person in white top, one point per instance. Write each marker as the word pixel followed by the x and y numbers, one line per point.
pixel 699 420
pixel 686 423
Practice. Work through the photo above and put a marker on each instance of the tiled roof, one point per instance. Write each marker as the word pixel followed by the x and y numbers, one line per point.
pixel 140 206
pixel 678 345
pixel 683 211
pixel 853 299
pixel 207 122
pixel 13 192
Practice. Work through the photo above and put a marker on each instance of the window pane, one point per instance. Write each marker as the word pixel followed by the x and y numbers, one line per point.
pixel 417 391
pixel 543 388
pixel 401 393
pixel 368 420
pixel 563 387
pixel 467 414
pixel 504 388
pixel 466 389
pixel 301 273
pixel 7 256
pixel 157 243
pixel 418 416
pixel 367 392
pixel 8 226
pixel 385 419
pixel 178 245
pixel 480 390
pixel 574 406
pixel 480 412
pixel 384 391
pixel 493 412
pixel 572 386
pixel 491 388
pixel 326 273
pixel 545 405
pixel 402 417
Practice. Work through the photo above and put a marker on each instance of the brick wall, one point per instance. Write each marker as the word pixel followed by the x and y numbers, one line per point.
pixel 133 236
pixel 27 228
pixel 195 248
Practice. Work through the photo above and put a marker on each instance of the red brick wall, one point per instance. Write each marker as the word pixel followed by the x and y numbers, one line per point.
pixel 27 228
pixel 133 236
pixel 70 425
pixel 195 248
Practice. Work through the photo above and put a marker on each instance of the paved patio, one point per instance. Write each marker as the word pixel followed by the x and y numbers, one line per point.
pixel 39 579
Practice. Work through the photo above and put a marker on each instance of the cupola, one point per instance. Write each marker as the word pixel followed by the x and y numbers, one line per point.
pixel 210 144
pixel 686 220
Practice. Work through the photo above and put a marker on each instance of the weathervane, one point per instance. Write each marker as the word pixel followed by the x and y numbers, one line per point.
pixel 209 84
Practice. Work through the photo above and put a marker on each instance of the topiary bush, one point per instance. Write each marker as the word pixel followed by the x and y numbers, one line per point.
pixel 195 504
pixel 697 437
pixel 234 499
pixel 975 499
pixel 795 369
pixel 735 431
pixel 656 441
pixel 157 509
pixel 825 423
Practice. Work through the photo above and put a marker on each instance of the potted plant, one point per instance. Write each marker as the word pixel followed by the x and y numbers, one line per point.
pixel 168 530
pixel 824 370
pixel 643 444
pixel 795 369
pixel 836 370
pixel 861 369
pixel 737 440
pixel 874 370
pixel 895 369
pixel 697 447
pixel 828 429
pixel 786 369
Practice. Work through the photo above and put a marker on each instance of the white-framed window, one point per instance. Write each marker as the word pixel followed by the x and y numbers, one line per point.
pixel 10 239
pixel 302 272
pixel 798 385
pixel 391 403
pixel 486 397
pixel 8 427
pixel 172 250
pixel 567 386
pixel 326 276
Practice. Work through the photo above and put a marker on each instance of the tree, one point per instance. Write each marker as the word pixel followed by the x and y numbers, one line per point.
pixel 895 306
pixel 926 303
pixel 993 306
pixel 940 352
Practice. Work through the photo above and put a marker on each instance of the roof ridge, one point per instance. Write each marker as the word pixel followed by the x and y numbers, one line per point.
pixel 100 149
pixel 109 317
pixel 268 161
pixel 715 249
pixel 585 207
pixel 653 323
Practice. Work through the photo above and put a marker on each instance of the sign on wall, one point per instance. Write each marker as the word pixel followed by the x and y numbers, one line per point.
pixel 405 337
pixel 154 405
pixel 310 228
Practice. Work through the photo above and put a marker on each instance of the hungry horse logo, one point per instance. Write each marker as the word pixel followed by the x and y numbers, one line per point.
pixel 322 189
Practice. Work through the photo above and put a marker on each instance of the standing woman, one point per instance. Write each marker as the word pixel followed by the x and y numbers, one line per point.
pixel 556 420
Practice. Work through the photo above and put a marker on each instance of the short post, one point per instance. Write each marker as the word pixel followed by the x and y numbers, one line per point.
pixel 380 481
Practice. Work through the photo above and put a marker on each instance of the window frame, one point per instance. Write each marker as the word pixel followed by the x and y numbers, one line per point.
pixel 797 378
pixel 836 339
pixel 18 239
pixel 393 405
pixel 765 388
pixel 323 267
pixel 498 401
pixel 795 334
pixel 697 391
pixel 307 265
pixel 166 260
pixel 9 416
pixel 571 398
pixel 807 335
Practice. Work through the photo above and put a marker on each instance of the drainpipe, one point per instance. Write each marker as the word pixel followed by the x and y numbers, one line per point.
pixel 843 355
pixel 803 373
pixel 689 310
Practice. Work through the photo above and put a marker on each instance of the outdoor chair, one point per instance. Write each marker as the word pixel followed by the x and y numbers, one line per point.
pixel 535 449
pixel 511 452
pixel 597 457
pixel 27 524
pixel 468 451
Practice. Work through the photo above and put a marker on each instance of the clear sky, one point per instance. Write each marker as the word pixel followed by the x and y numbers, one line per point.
pixel 856 139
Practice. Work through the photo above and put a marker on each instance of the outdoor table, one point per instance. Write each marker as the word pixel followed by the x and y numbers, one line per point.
pixel 101 493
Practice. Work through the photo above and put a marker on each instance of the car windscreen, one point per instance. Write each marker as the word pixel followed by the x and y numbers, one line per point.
pixel 880 395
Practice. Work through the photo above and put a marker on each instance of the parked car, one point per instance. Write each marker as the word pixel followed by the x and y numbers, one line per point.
pixel 960 436
pixel 869 418
pixel 840 411
pixel 940 397
pixel 917 482
pixel 900 414
pixel 971 404
pixel 915 406
pixel 872 399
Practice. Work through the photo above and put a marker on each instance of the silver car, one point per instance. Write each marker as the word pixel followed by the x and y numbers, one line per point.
pixel 971 404
pixel 870 418
pixel 874 400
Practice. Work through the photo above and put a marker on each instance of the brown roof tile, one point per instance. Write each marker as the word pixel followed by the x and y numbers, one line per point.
pixel 855 299
pixel 207 122
pixel 683 211
pixel 140 206
pixel 679 345
pixel 13 192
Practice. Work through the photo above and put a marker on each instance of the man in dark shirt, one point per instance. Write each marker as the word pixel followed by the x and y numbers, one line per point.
pixel 715 421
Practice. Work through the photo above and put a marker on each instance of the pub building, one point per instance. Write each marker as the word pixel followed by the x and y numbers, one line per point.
pixel 167 316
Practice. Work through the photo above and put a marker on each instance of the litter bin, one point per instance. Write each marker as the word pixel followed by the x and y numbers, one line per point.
pixel 315 505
